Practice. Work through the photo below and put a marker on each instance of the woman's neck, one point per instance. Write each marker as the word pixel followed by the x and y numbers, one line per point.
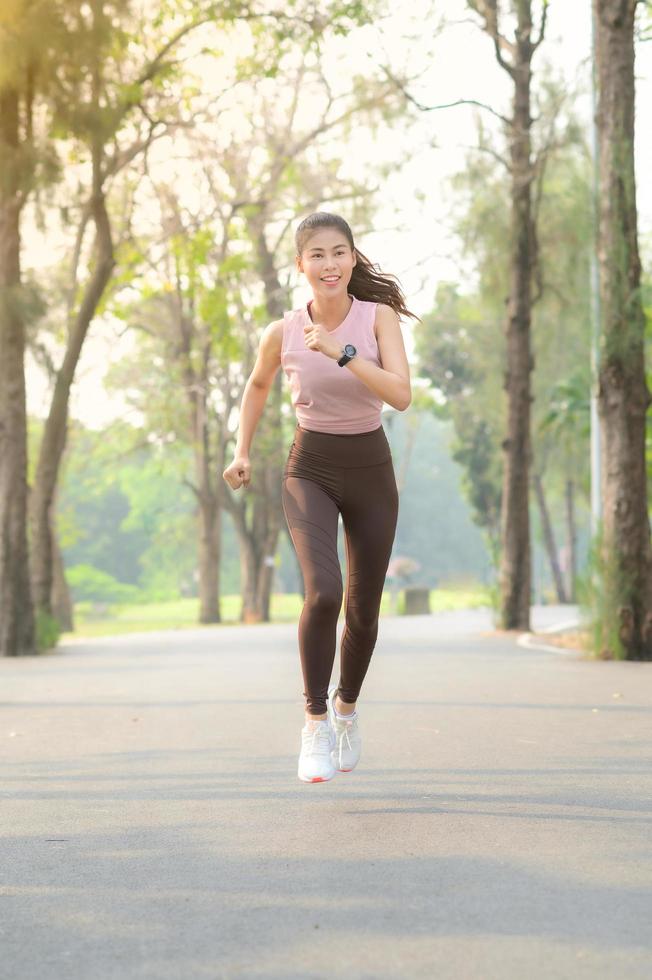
pixel 330 312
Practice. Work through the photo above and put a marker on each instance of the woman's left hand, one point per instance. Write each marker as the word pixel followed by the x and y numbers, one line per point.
pixel 318 338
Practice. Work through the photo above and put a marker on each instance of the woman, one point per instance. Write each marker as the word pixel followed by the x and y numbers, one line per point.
pixel 344 356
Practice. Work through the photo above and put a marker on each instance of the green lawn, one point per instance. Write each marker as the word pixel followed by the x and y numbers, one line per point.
pixel 183 613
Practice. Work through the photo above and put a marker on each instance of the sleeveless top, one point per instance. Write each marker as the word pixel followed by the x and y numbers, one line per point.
pixel 325 396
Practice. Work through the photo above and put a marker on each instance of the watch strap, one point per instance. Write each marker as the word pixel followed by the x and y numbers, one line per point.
pixel 345 358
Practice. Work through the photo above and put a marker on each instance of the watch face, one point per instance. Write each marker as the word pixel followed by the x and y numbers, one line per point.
pixel 349 350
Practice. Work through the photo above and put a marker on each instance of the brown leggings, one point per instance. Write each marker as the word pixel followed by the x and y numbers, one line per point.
pixel 328 474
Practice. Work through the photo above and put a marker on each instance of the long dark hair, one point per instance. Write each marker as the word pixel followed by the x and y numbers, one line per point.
pixel 367 281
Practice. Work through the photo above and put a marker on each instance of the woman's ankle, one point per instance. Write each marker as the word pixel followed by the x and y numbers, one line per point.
pixel 310 717
pixel 342 707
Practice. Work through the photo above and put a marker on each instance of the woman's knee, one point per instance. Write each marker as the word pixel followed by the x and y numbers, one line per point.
pixel 363 620
pixel 325 599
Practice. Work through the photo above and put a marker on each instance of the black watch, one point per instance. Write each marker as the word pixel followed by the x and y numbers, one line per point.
pixel 348 355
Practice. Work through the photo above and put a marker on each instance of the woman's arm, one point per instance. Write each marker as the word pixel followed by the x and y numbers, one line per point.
pixel 256 390
pixel 391 382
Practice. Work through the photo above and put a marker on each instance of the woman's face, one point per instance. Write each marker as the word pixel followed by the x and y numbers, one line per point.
pixel 327 262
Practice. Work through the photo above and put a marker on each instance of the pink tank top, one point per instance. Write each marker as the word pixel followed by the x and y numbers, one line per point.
pixel 325 396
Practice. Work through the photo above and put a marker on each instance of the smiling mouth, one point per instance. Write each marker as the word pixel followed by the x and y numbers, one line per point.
pixel 330 279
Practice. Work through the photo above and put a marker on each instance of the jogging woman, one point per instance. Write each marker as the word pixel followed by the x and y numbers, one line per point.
pixel 344 356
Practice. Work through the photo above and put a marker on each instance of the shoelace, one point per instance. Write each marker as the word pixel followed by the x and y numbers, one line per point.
pixel 323 737
pixel 343 729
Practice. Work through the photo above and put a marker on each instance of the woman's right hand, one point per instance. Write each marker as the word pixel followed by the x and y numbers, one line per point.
pixel 238 473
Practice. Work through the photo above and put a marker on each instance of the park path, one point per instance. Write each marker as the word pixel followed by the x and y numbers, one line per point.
pixel 498 825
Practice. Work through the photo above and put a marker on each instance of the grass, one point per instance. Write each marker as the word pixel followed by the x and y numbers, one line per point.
pixel 577 639
pixel 184 613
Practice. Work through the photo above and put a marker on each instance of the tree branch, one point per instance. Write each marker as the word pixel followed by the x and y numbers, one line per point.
pixel 492 153
pixel 542 29
pixel 191 486
pixel 488 10
pixel 446 105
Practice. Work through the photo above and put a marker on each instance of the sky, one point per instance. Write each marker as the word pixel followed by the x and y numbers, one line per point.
pixel 412 238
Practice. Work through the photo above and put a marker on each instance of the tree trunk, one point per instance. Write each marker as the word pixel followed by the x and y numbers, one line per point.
pixel 572 540
pixel 259 536
pixel 259 540
pixel 257 574
pixel 266 580
pixel 17 628
pixel 61 601
pixel 56 426
pixel 515 568
pixel 549 538
pixel 623 396
pixel 268 509
pixel 209 516
pixel 247 580
pixel 209 557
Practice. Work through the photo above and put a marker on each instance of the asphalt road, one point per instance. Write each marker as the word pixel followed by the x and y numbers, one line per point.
pixel 498 824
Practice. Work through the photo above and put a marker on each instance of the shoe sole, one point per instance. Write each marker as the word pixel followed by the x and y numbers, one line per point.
pixel 350 769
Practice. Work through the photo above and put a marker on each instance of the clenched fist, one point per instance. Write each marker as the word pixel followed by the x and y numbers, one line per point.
pixel 317 338
pixel 238 473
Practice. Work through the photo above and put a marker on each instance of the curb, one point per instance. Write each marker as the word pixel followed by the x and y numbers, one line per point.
pixel 528 640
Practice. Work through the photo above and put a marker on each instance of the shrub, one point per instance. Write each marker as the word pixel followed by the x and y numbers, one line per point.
pixel 48 631
pixel 90 584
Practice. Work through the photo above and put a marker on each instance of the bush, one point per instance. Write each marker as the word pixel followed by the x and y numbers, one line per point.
pixel 90 584
pixel 48 631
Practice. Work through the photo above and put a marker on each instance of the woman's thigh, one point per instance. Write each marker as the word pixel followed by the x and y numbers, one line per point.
pixel 312 517
pixel 369 514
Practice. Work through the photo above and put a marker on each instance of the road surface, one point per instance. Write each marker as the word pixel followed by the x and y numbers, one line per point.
pixel 498 824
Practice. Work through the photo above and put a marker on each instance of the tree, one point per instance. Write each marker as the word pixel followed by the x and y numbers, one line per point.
pixel 221 270
pixel 460 343
pixel 456 349
pixel 567 424
pixel 623 395
pixel 16 612
pixel 24 163
pixel 114 94
pixel 515 57
pixel 107 104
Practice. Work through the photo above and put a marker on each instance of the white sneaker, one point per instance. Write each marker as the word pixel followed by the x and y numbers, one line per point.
pixel 315 763
pixel 348 742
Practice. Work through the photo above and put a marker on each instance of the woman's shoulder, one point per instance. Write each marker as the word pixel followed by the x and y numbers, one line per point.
pixel 276 327
pixel 291 315
pixel 283 331
pixel 377 313
pixel 272 336
pixel 383 308
pixel 378 308
pixel 385 313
